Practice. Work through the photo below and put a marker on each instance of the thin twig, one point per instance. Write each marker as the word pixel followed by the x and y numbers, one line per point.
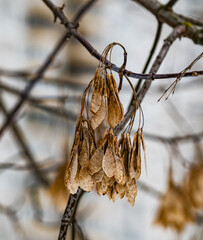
pixel 83 10
pixel 170 4
pixel 33 81
pixel 58 12
pixel 40 99
pixel 154 45
pixel 173 85
pixel 172 140
pixel 177 32
pixel 172 19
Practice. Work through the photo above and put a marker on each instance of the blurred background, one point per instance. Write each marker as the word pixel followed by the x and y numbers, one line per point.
pixel 42 132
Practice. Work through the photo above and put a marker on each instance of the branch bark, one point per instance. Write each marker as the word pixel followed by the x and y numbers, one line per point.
pixel 173 19
pixel 177 32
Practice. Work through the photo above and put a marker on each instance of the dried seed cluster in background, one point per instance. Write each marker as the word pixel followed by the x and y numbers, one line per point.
pixel 113 164
pixel 179 203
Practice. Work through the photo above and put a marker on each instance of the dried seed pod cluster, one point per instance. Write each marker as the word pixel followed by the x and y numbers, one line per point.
pixel 175 210
pixel 113 165
pixel 179 203
pixel 193 185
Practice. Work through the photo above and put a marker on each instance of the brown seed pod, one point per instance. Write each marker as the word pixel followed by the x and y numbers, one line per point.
pixel 115 108
pixel 131 191
pixel 99 116
pixel 71 172
pixel 135 161
pixel 120 190
pixel 175 209
pixel 193 185
pixel 108 163
pixel 86 180
pixel 98 176
pixel 95 162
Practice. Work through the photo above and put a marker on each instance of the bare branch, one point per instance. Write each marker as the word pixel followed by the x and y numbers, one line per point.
pixel 83 10
pixel 33 81
pixel 98 56
pixel 172 19
pixel 178 31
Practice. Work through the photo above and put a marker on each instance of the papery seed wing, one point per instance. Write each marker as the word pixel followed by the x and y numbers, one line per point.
pixel 96 101
pixel 71 172
pixel 117 97
pixel 114 194
pixel 120 174
pixel 99 116
pixel 83 157
pixel 108 180
pixel 120 190
pixel 108 163
pixel 73 187
pixel 98 176
pixel 135 161
pixel 95 163
pixel 113 112
pixel 144 149
pixel 108 192
pixel 72 169
pixel 101 187
pixel 86 180
pixel 131 191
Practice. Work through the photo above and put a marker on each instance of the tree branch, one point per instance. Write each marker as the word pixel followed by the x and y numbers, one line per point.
pixel 32 82
pixel 83 10
pixel 172 19
pixel 177 32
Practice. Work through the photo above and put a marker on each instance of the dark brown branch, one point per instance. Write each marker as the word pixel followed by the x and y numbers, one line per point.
pixel 56 111
pixel 170 4
pixel 43 166
pixel 67 216
pixel 59 13
pixel 172 19
pixel 32 83
pixel 172 140
pixel 57 98
pixel 154 45
pixel 25 75
pixel 177 32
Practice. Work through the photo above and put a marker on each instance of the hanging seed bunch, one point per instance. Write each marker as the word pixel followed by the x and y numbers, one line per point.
pixel 175 208
pixel 193 181
pixel 112 165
